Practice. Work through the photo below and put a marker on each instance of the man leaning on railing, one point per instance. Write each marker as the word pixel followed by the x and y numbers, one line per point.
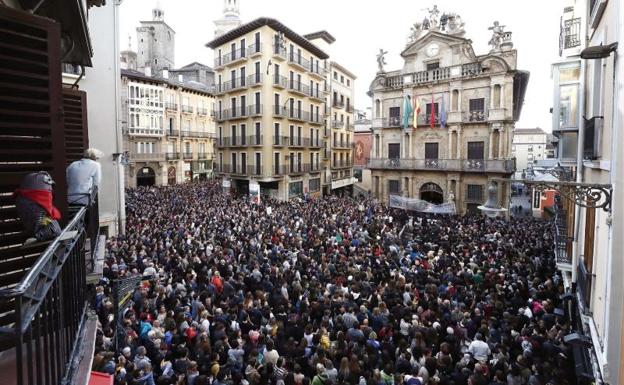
pixel 83 178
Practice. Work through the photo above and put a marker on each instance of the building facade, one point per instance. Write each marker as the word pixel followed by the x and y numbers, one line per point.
pixel 459 136
pixel 269 109
pixel 528 147
pixel 168 130
pixel 587 121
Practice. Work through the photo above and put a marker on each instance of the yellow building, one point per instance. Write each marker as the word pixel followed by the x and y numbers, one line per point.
pixel 461 137
pixel 168 130
pixel 269 109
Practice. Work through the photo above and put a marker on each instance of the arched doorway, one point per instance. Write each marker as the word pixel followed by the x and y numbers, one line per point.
pixel 432 193
pixel 146 177
pixel 171 176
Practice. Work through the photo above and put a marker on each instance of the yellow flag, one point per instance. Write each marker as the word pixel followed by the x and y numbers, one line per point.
pixel 416 111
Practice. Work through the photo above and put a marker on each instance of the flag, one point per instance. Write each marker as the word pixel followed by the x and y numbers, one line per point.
pixel 407 110
pixel 432 116
pixel 416 111
pixel 442 114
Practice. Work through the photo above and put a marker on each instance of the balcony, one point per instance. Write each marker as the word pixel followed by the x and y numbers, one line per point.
pixel 197 134
pixel 230 58
pixel 202 111
pixel 350 126
pixel 299 88
pixel 187 155
pixel 326 132
pixel 280 81
pixel 317 143
pixel 342 145
pixel 319 95
pixel 254 110
pixel 504 166
pixel 337 103
pixel 187 109
pixel 171 106
pixel 172 156
pixel 476 116
pixel 279 52
pixel 255 140
pixel 563 241
pixel 202 155
pixel 254 80
pixel 172 133
pixel 350 108
pixel 299 61
pixel 254 50
pixel 231 114
pixel 280 111
pixel 342 164
pixel 145 131
pixel 146 157
pixel 436 75
pixel 280 141
pixel 298 142
pixel 44 304
pixel 337 124
pixel 317 71
pixel 315 119
pixel 298 115
pixel 235 84
pixel 254 170
pixel 571 33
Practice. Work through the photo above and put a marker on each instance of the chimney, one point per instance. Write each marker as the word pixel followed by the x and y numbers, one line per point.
pixel 166 74
pixel 180 78
pixel 148 71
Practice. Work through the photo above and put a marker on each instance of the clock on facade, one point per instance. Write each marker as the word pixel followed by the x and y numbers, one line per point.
pixel 433 49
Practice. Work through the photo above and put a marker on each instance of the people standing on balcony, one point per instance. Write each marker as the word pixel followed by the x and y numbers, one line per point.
pixel 83 177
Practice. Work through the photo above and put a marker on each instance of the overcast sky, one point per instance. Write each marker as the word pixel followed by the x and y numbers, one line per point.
pixel 362 27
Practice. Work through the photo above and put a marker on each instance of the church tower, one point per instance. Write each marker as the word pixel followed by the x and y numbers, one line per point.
pixel 231 17
pixel 155 43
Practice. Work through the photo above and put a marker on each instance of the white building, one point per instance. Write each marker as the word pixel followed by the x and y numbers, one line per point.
pixel 528 146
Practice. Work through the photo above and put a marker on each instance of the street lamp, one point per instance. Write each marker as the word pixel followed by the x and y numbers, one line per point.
pixel 599 51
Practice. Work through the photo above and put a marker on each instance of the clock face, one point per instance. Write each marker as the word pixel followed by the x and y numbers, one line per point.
pixel 433 49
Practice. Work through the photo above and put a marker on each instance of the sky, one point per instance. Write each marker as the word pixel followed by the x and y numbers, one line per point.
pixel 362 27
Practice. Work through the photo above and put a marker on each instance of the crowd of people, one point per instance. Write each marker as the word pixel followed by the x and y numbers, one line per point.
pixel 327 291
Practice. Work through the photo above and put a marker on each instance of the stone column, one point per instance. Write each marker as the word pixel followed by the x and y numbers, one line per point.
pixel 408 147
pixel 459 143
pixel 450 143
pixel 502 153
pixel 491 143
pixel 381 146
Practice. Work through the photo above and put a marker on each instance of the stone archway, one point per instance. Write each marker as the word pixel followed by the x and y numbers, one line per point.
pixel 146 177
pixel 432 193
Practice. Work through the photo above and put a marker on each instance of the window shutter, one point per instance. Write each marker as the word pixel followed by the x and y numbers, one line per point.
pixel 75 124
pixel 31 134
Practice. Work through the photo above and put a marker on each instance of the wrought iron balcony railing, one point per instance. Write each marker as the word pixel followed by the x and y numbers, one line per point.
pixel 464 165
pixel 172 156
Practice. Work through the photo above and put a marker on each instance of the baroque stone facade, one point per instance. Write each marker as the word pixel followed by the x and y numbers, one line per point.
pixel 443 124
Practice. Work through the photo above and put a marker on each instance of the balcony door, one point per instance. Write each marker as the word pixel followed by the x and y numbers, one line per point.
pixel 394 150
pixel 431 151
pixel 394 114
pixel 476 150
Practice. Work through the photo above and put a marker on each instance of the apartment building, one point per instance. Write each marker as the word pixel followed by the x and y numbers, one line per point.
pixel 168 130
pixel 587 121
pixel 443 124
pixel 269 110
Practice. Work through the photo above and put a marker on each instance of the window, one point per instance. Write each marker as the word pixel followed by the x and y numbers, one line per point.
pixel 257 42
pixel 394 187
pixel 314 185
pixel 295 189
pixel 243 134
pixel 394 150
pixel 395 116
pixel 431 150
pixel 276 163
pixel 276 134
pixel 428 109
pixel 234 168
pixel 335 75
pixel 258 163
pixel 568 105
pixel 476 104
pixel 243 162
pixel 233 134
pixel 342 79
pixel 474 193
pixel 433 66
pixel 348 83
pixel 258 133
pixel 242 76
pixel 476 150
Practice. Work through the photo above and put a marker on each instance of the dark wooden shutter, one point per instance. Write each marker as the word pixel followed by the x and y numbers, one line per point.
pixel 75 124
pixel 31 133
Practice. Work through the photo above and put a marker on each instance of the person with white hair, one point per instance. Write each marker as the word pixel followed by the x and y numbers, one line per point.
pixel 83 176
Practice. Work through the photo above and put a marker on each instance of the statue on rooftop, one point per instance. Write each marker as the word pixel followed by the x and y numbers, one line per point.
pixel 381 60
pixel 434 17
pixel 497 36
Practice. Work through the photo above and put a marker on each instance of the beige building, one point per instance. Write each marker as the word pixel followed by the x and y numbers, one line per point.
pixel 168 130
pixel 270 110
pixel 475 101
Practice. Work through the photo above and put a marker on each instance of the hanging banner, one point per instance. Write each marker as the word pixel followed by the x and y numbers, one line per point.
pixel 420 205
pixel 254 192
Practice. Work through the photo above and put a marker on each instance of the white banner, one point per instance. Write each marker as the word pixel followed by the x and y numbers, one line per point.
pixel 420 205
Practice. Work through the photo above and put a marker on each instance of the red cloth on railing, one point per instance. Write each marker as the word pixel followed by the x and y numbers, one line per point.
pixel 41 197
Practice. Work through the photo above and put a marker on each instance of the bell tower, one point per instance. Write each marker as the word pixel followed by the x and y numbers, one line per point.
pixel 230 19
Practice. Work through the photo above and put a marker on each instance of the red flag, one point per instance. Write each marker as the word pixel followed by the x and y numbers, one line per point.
pixel 432 117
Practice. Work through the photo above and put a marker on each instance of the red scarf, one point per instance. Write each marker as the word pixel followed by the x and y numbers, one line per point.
pixel 41 197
